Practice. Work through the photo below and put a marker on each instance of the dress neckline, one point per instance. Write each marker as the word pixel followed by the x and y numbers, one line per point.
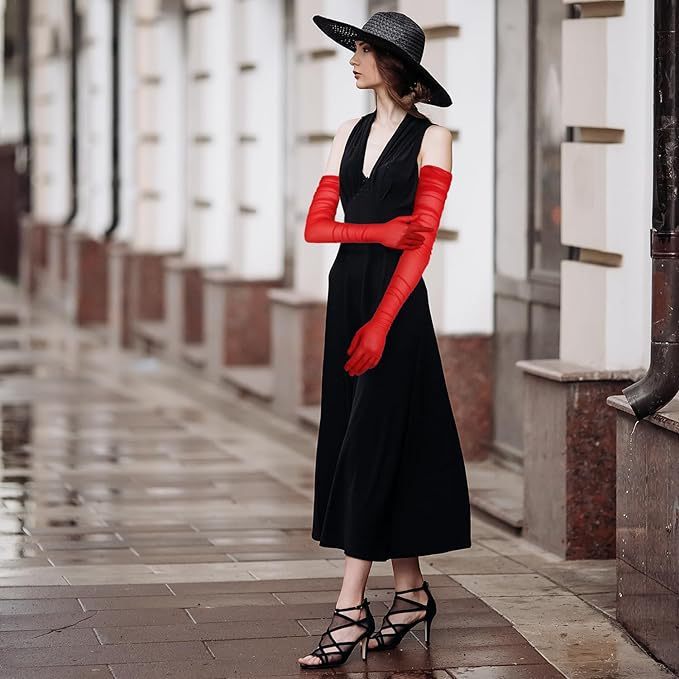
pixel 371 120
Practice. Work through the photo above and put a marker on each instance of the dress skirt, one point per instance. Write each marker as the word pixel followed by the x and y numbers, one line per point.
pixel 390 479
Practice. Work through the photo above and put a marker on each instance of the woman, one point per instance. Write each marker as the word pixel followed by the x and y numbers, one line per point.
pixel 390 480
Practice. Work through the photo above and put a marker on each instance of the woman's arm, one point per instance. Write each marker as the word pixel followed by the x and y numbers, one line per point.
pixel 321 226
pixel 434 182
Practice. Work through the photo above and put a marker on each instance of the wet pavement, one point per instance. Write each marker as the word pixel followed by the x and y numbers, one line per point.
pixel 153 524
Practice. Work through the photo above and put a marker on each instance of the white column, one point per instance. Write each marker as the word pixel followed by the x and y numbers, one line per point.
pixel 461 56
pixel 50 109
pixel 257 249
pixel 95 136
pixel 606 186
pixel 213 100
pixel 2 66
pixel 326 95
pixel 127 122
pixel 161 157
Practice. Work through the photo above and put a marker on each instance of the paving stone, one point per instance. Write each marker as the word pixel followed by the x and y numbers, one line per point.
pixel 73 636
pixel 100 655
pixel 179 518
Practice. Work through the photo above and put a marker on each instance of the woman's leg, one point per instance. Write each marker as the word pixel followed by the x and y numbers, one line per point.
pixel 355 577
pixel 407 575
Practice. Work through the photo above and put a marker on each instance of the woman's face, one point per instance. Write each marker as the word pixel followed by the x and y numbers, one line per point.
pixel 364 66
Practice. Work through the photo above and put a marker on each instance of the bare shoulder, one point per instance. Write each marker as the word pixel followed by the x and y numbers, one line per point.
pixel 437 147
pixel 338 143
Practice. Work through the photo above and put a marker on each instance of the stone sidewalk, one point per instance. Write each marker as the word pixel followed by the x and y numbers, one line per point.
pixel 152 524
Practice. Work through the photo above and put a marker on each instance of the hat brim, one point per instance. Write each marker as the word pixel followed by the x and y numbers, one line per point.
pixel 346 35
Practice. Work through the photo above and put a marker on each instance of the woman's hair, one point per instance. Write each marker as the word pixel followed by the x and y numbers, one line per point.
pixel 401 83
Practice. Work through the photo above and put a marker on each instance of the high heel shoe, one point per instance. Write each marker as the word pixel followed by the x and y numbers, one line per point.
pixel 392 639
pixel 344 621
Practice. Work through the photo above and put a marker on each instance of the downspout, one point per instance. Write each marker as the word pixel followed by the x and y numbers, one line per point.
pixel 661 383
pixel 115 119
pixel 25 13
pixel 73 15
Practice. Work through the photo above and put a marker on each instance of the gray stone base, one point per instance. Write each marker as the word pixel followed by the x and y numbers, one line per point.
pixel 237 321
pixel 569 468
pixel 648 527
pixel 298 326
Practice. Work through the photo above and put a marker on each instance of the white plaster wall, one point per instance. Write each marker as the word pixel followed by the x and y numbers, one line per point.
pixel 49 102
pixel 607 188
pixel 460 276
pixel 326 95
pixel 11 109
pixel 161 116
pixel 127 130
pixel 512 140
pixel 2 64
pixel 258 253
pixel 95 139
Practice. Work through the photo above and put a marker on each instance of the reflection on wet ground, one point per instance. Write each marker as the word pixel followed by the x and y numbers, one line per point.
pixel 150 531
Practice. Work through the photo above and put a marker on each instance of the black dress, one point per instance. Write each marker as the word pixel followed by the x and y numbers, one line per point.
pixel 390 479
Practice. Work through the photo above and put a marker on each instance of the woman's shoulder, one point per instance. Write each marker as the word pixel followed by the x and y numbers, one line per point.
pixel 338 144
pixel 437 146
pixel 437 135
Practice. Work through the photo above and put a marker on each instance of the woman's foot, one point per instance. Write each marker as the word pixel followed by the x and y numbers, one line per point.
pixel 398 618
pixel 348 633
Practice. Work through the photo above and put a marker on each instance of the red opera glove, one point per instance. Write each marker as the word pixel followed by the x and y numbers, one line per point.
pixel 368 343
pixel 400 233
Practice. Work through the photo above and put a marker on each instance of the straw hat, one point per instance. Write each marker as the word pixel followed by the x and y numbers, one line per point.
pixel 392 31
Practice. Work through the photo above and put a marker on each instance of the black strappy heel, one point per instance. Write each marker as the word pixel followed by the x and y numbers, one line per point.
pixel 345 621
pixel 390 640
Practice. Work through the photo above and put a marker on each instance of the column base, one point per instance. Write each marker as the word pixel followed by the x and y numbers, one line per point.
pixel 569 467
pixel 648 527
pixel 33 255
pixel 87 280
pixel 298 327
pixel 468 368
pixel 184 282
pixel 237 315
pixel 137 297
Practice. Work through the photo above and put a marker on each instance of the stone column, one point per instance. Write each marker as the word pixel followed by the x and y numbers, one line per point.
pixel 153 167
pixel 213 85
pixel 50 149
pixel 299 310
pixel 462 258
pixel 85 298
pixel 605 292
pixel 240 233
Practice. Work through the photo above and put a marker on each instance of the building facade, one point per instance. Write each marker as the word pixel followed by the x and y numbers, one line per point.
pixel 174 148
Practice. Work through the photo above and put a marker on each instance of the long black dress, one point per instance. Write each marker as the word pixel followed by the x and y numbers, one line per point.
pixel 390 479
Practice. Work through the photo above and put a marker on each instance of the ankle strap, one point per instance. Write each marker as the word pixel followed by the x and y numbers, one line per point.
pixel 424 585
pixel 351 608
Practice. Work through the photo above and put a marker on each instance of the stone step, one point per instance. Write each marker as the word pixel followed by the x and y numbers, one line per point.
pixel 251 380
pixel 194 355
pixel 151 334
pixel 497 492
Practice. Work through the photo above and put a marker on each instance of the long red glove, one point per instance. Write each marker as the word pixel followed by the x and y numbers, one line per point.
pixel 367 345
pixel 321 227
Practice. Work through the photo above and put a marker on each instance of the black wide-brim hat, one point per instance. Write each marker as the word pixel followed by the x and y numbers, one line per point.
pixel 396 33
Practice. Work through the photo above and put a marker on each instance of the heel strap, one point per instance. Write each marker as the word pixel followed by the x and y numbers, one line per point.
pixel 424 585
pixel 353 608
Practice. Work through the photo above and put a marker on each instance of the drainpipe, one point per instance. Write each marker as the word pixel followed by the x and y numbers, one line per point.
pixel 26 162
pixel 115 119
pixel 661 382
pixel 73 15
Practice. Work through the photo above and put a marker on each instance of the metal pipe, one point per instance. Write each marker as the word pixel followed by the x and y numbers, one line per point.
pixel 661 382
pixel 26 150
pixel 75 37
pixel 115 118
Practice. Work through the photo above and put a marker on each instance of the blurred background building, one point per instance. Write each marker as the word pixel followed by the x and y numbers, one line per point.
pixel 158 157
